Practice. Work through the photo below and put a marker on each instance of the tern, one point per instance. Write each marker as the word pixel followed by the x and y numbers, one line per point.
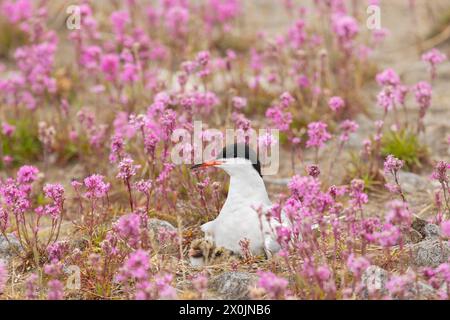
pixel 242 215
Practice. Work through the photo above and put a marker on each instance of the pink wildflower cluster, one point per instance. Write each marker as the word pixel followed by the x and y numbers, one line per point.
pixel 433 58
pixel 278 114
pixel 275 287
pixel 317 135
pixel 423 94
pixel 336 103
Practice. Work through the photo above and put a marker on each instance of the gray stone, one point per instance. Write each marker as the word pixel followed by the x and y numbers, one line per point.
pixel 426 230
pixel 278 182
pixel 430 253
pixel 432 231
pixel 232 285
pixel 8 249
pixel 155 224
pixel 420 291
pixel 374 281
pixel 411 182
pixel 154 227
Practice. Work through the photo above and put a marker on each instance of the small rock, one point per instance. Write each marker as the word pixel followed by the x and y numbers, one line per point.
pixel 430 253
pixel 421 291
pixel 154 227
pixel 278 182
pixel 8 249
pixel 232 285
pixel 432 231
pixel 155 224
pixel 374 281
pixel 435 137
pixel 411 182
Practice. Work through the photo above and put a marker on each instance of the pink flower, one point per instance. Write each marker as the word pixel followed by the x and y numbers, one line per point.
pixel 386 98
pixel 357 265
pixel 297 34
pixel 200 283
pixel 17 10
pixel 7 160
pixel 433 58
pixel 163 285
pixel 96 187
pixel 130 73
pixel 266 141
pixel 203 58
pixel 286 99
pixel 423 93
pixel 399 214
pixel 279 118
pixel 54 192
pixel 127 169
pixel 392 164
pixel 346 28
pixel 55 290
pixel 57 250
pixel 392 188
pixel 347 127
pixel 398 285
pixel 336 103
pixel 283 233
pixel 27 174
pixel 7 129
pixel 90 57
pixel 239 103
pixel 313 171
pixel 136 267
pixel 388 78
pixel 164 174
pixel 306 189
pixel 119 20
pixel 357 195
pixel 31 287
pixel 221 12
pixel 48 210
pixel 303 81
pixel 177 19
pixel 317 134
pixel 323 273
pixel 388 236
pixel 445 228
pixel 400 94
pixel 110 66
pixel 440 172
pixel 274 286
pixel 128 228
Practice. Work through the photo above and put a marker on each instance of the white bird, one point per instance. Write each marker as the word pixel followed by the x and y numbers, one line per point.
pixel 247 195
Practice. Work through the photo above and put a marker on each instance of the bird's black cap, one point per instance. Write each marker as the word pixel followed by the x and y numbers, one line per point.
pixel 241 150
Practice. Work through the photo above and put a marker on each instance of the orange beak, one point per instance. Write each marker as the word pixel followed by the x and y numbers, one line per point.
pixel 207 164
